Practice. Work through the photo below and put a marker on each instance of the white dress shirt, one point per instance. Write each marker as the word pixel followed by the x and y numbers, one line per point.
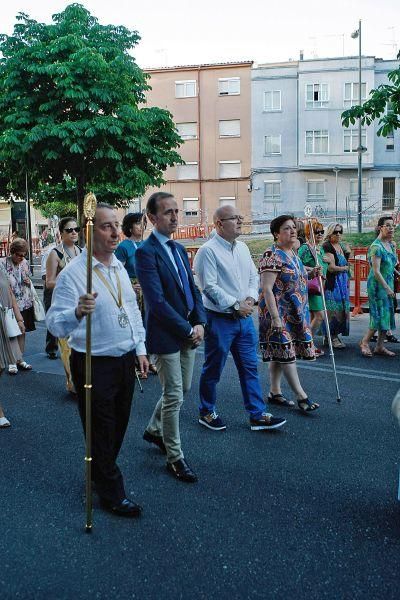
pixel 108 338
pixel 226 274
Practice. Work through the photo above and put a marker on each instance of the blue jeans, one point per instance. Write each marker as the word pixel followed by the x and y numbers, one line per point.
pixel 224 334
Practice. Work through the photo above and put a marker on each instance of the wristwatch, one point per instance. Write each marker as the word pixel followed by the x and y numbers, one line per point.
pixel 236 306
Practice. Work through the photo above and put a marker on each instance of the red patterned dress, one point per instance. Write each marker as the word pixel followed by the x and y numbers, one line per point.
pixel 290 291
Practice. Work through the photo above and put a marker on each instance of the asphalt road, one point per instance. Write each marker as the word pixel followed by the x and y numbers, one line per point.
pixel 306 512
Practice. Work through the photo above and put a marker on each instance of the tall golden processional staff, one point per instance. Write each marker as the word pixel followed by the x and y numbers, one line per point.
pixel 89 209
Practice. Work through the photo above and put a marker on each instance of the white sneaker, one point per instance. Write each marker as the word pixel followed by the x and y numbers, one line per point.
pixel 4 422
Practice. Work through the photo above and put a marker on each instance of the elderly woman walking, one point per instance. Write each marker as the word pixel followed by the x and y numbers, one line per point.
pixel 382 258
pixel 284 315
pixel 17 270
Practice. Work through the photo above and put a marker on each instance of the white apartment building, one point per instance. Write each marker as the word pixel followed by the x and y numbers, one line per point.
pixel 302 155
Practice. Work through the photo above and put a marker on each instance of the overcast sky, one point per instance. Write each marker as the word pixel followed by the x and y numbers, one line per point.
pixel 178 32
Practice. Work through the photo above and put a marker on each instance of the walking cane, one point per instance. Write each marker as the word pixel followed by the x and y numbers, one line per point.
pixel 328 332
pixel 89 209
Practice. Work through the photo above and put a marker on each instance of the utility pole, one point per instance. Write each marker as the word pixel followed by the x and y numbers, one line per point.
pixel 360 149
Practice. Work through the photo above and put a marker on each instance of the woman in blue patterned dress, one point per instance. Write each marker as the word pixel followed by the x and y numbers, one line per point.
pixel 382 258
pixel 284 318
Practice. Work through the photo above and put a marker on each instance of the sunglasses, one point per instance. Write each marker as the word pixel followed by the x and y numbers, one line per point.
pixel 338 231
pixel 71 229
pixel 320 232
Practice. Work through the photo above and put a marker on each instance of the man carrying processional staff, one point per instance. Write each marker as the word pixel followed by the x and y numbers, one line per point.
pixel 118 337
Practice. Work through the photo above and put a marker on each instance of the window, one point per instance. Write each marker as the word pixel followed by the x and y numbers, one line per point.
pixel 354 189
pixel 229 86
pixel 187 131
pixel 388 193
pixel 350 139
pixel 315 190
pixel 272 190
pixel 185 89
pixel 229 168
pixel 317 95
pixel 191 207
pixel 390 141
pixel 188 171
pixel 272 100
pixel 351 94
pixel 272 144
pixel 229 128
pixel 317 141
pixel 227 201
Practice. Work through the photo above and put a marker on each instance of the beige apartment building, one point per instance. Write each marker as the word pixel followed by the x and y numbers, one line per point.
pixel 211 107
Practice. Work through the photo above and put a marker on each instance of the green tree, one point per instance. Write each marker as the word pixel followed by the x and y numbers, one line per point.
pixel 73 113
pixel 383 104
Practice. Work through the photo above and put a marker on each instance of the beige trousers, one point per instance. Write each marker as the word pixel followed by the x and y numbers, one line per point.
pixel 175 373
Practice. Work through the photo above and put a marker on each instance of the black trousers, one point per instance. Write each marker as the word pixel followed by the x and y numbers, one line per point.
pixel 113 381
pixel 51 341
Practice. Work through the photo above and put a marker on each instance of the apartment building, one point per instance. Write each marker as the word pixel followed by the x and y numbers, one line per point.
pixel 302 155
pixel 211 107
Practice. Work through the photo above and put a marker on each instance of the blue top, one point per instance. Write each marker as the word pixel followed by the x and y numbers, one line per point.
pixel 126 254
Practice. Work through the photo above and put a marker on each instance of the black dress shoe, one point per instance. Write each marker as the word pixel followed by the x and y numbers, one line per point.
pixel 52 355
pixel 181 470
pixel 155 439
pixel 126 508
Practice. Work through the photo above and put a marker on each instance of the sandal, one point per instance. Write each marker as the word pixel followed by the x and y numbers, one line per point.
pixel 392 338
pixel 4 422
pixel 305 405
pixel 365 350
pixel 279 400
pixel 23 366
pixel 384 352
pixel 12 369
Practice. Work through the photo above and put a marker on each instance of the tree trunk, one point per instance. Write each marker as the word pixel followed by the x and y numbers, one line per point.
pixel 80 193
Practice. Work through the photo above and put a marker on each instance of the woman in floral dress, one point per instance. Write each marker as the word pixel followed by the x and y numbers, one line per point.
pixel 284 319
pixel 382 258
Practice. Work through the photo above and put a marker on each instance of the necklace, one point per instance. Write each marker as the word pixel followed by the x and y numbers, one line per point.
pixel 123 319
pixel 67 256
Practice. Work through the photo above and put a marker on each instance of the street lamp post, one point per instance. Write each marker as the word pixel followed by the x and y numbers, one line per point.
pixel 336 171
pixel 360 149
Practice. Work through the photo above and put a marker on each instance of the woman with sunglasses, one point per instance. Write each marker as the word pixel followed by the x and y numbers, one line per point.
pixel 337 295
pixel 17 269
pixel 58 258
pixel 380 287
pixel 311 259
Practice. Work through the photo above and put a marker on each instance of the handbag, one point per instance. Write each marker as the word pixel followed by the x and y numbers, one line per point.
pixel 38 309
pixel 10 322
pixel 313 287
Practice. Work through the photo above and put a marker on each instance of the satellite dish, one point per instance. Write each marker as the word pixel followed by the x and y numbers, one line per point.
pixel 308 210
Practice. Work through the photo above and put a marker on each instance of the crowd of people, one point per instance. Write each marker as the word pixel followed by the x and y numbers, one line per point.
pixel 151 310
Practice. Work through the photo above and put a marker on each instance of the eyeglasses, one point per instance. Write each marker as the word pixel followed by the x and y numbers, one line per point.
pixel 71 229
pixel 320 232
pixel 233 218
pixel 336 231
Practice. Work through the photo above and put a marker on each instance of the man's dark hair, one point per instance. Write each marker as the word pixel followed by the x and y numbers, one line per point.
pixel 151 206
pixel 277 223
pixel 62 223
pixel 129 220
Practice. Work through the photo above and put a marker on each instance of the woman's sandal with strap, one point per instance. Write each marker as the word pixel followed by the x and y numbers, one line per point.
pixel 279 400
pixel 305 405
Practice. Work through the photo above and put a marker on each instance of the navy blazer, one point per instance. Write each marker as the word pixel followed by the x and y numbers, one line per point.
pixel 166 314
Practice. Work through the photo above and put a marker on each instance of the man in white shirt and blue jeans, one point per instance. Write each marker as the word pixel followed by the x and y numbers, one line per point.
pixel 117 337
pixel 229 283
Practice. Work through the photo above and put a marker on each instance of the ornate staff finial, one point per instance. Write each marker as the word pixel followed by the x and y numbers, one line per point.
pixel 89 206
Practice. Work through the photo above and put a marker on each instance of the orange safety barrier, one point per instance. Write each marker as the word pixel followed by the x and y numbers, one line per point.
pixel 360 273
pixel 191 252
pixel 192 232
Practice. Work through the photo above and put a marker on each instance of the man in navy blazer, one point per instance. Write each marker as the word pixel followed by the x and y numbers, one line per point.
pixel 174 320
